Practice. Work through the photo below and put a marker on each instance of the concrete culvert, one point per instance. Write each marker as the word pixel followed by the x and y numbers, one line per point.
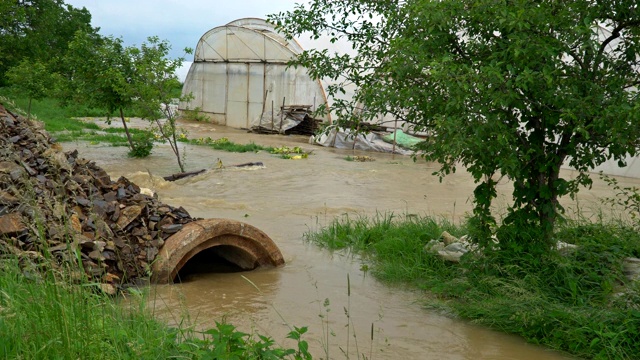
pixel 223 244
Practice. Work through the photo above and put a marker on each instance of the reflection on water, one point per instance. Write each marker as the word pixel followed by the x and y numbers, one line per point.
pixel 285 198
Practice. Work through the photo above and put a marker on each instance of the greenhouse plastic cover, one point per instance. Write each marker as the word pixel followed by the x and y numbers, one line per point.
pixel 342 138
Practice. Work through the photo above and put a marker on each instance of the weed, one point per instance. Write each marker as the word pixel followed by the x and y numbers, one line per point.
pixel 628 198
pixel 194 115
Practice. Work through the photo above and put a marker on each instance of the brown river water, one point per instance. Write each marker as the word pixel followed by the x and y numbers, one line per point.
pixel 287 198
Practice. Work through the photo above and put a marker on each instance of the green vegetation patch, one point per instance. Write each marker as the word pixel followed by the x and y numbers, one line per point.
pixel 576 301
pixel 42 316
pixel 227 145
pixel 112 136
pixel 294 153
pixel 61 123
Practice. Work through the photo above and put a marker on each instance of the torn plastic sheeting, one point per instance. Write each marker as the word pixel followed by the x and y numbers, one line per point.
pixel 402 139
pixel 344 139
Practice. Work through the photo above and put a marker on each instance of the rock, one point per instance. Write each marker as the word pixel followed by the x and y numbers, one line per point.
pixel 157 243
pixel 151 253
pixel 58 248
pixel 456 247
pixel 7 198
pixel 127 215
pixel 75 223
pixel 100 207
pixel 631 269
pixel 99 245
pixel 96 255
pixel 29 170
pixel 108 289
pixel 14 170
pixel 450 255
pixel 11 224
pixel 83 201
pixel 171 228
pixel 111 278
pixel 448 238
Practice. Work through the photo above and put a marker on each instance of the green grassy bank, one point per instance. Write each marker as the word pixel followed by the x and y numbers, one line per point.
pixel 43 317
pixel 578 302
pixel 64 125
pixel 63 122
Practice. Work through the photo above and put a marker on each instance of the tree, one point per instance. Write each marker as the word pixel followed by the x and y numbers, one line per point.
pixel 154 83
pixel 33 80
pixel 38 30
pixel 100 73
pixel 505 88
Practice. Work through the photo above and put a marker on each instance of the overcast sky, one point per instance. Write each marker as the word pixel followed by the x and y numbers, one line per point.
pixel 181 22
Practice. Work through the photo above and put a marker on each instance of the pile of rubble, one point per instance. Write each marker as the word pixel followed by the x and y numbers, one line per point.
pixel 58 206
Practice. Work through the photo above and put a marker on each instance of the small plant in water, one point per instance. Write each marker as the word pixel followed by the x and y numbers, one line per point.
pixel 294 153
pixel 142 145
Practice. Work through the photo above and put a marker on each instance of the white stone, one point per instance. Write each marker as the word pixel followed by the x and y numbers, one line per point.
pixel 631 268
pixel 456 247
pixel 146 191
pixel 450 255
pixel 448 238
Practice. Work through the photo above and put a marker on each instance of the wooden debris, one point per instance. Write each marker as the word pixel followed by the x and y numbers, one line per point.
pixel 183 175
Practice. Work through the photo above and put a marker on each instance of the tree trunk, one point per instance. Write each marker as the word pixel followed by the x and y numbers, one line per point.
pixel 171 138
pixel 29 110
pixel 183 175
pixel 175 147
pixel 548 208
pixel 126 129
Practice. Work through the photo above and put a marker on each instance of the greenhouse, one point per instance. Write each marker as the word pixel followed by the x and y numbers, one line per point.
pixel 240 76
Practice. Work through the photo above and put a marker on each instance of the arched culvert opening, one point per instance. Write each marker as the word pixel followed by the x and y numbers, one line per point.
pixel 212 260
pixel 235 242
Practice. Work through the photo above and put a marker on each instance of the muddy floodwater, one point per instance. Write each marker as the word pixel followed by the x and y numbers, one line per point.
pixel 285 199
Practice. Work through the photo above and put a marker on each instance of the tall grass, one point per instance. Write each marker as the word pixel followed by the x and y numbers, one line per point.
pixel 578 301
pixel 43 317
pixel 392 244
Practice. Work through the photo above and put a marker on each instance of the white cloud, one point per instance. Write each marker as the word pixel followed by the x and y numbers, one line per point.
pixel 180 22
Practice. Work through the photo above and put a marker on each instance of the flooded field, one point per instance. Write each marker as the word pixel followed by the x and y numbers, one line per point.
pixel 285 199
